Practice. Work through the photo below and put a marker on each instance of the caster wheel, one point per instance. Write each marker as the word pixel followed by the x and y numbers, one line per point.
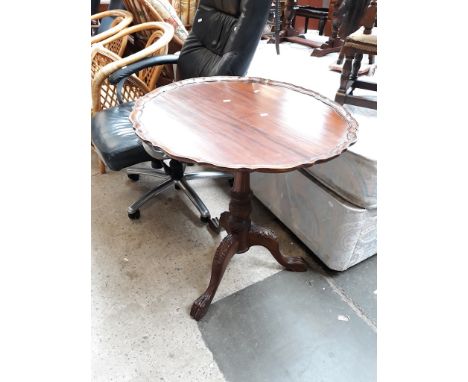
pixel 133 177
pixel 205 219
pixel 135 215
pixel 231 181
pixel 176 186
pixel 156 164
pixel 213 224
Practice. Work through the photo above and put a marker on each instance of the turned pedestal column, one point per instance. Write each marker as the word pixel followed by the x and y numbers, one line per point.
pixel 242 234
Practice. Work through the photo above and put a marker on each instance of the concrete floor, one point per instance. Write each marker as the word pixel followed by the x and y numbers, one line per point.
pixel 297 327
pixel 146 273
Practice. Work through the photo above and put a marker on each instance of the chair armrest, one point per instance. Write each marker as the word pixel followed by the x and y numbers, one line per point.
pixel 127 71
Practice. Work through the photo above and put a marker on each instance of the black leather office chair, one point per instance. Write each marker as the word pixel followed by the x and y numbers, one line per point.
pixel 222 41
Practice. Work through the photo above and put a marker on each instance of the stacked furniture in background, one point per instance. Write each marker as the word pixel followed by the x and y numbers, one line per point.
pixel 157 10
pixel 355 46
pixel 222 42
pixel 104 62
pixel 186 10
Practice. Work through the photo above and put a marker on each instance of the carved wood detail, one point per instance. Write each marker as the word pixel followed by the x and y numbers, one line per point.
pixel 247 123
pixel 242 234
pixel 237 137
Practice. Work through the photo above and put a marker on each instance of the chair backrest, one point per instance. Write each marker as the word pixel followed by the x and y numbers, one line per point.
pixel 107 22
pixel 370 16
pixel 156 10
pixel 223 39
pixel 121 19
pixel 350 14
pixel 104 62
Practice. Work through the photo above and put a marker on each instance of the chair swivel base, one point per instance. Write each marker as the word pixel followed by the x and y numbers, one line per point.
pixel 180 183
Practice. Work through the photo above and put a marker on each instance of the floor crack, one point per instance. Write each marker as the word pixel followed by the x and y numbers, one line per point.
pixel 351 303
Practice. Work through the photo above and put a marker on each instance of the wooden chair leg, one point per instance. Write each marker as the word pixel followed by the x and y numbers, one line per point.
pixel 321 25
pixel 356 66
pixel 340 58
pixel 346 72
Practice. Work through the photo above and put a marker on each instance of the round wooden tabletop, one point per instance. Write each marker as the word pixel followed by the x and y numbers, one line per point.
pixel 242 123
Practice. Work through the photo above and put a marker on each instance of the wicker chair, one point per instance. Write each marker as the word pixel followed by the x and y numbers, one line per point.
pixel 143 11
pixel 186 10
pixel 122 19
pixel 105 62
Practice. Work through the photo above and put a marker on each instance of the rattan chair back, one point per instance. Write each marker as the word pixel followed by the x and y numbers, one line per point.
pixel 105 62
pixel 144 12
pixel 122 19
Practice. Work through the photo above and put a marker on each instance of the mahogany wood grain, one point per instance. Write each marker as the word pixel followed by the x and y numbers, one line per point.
pixel 241 123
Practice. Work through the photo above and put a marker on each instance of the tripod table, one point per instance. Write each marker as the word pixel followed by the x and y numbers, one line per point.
pixel 241 125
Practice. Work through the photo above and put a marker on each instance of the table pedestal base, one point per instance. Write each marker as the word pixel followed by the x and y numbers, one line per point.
pixel 242 234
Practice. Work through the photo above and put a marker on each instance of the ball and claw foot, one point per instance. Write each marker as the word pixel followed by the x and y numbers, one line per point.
pixel 200 306
pixel 296 264
pixel 226 249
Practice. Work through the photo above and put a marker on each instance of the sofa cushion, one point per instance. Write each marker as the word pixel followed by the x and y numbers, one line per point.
pixel 365 42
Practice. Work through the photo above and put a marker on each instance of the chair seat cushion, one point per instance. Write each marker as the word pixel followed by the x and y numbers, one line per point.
pixel 114 139
pixel 365 42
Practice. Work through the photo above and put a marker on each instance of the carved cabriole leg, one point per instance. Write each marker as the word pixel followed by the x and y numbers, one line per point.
pixel 242 234
pixel 237 225
pixel 223 255
pixel 266 238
